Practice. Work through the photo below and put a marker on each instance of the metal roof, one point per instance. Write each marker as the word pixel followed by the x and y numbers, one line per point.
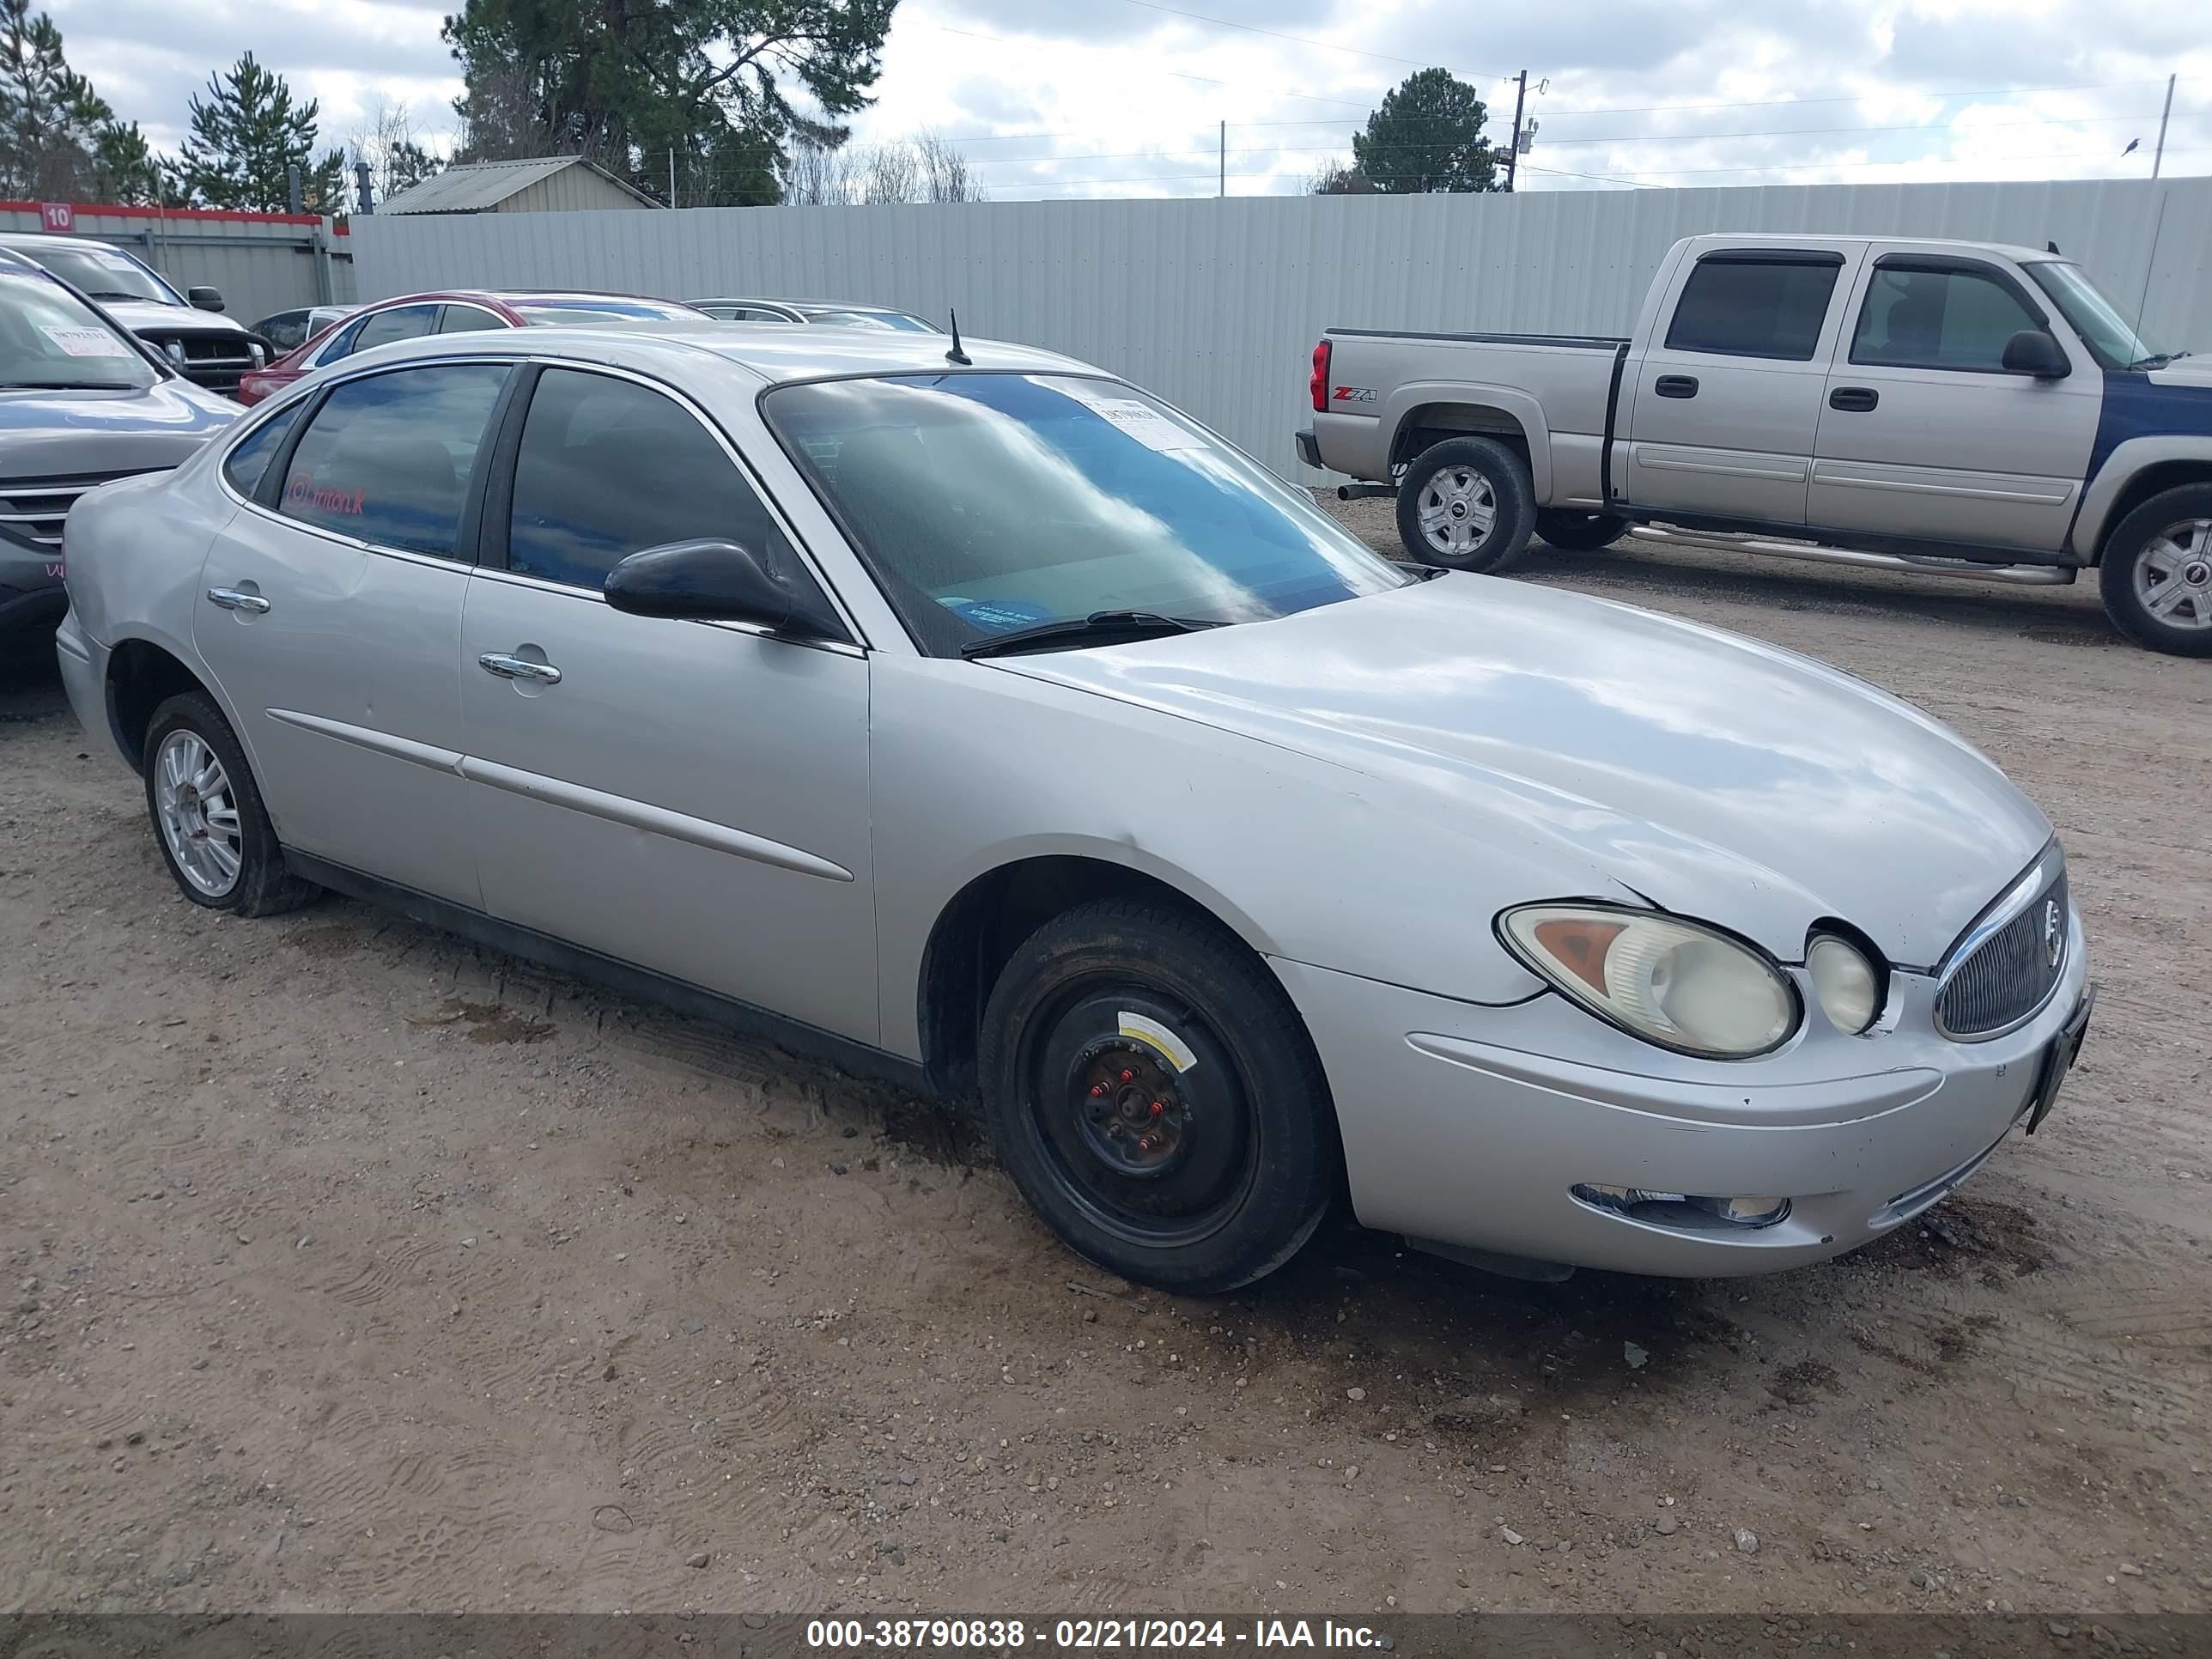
pixel 478 186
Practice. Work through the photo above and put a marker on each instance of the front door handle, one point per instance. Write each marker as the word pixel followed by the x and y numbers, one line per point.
pixel 1856 399
pixel 232 599
pixel 519 668
pixel 1676 385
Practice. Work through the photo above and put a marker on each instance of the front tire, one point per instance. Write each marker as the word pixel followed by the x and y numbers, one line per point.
pixel 214 833
pixel 2155 577
pixel 1578 533
pixel 1155 1096
pixel 1466 504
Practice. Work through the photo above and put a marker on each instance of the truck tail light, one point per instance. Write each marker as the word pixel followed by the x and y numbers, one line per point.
pixel 1317 386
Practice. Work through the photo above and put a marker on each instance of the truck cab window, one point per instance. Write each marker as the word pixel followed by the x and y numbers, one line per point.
pixel 1740 306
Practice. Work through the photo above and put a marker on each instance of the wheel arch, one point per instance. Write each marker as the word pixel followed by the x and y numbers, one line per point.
pixel 1424 413
pixel 141 675
pixel 978 929
pixel 2138 469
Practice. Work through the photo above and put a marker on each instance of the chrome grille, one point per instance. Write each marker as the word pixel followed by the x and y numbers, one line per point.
pixel 218 362
pixel 32 509
pixel 2011 972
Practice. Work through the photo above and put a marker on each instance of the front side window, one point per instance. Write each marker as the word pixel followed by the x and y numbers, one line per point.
pixel 1740 305
pixel 2113 341
pixel 287 330
pixel 985 503
pixel 49 341
pixel 387 459
pixel 1932 318
pixel 608 468
pixel 400 323
pixel 103 273
pixel 248 461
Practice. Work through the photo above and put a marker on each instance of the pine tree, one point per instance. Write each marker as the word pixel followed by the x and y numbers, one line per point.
pixel 51 119
pixel 124 165
pixel 1427 136
pixel 246 134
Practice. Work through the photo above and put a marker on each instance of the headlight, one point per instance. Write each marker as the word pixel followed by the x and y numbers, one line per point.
pixel 254 351
pixel 176 350
pixel 1846 983
pixel 1676 983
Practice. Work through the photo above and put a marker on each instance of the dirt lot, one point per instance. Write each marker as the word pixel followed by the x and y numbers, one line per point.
pixel 347 1266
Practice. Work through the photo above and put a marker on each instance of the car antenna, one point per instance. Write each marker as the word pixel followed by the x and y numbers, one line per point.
pixel 2052 247
pixel 957 356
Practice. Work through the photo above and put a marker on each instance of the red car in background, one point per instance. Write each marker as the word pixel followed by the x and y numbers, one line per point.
pixel 456 312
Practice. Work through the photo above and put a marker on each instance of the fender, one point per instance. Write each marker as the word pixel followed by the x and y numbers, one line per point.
pixel 1522 406
pixel 2145 420
pixel 2121 467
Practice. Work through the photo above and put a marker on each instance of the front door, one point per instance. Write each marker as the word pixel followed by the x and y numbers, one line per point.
pixel 1725 407
pixel 329 614
pixel 688 797
pixel 1924 433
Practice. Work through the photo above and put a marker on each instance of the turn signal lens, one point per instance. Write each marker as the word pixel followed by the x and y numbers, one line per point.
pixel 1680 984
pixel 1846 983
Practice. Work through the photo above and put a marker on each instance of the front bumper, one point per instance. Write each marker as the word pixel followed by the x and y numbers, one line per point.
pixel 1471 1126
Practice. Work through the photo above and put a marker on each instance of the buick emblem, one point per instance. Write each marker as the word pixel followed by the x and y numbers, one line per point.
pixel 2054 932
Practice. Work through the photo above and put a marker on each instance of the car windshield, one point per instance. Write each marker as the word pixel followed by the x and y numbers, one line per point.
pixel 585 313
pixel 897 320
pixel 2112 339
pixel 104 273
pixel 985 503
pixel 50 342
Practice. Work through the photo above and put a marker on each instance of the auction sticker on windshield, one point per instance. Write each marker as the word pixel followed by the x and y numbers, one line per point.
pixel 85 342
pixel 1136 417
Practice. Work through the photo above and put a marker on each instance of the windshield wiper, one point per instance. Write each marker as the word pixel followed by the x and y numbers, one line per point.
pixel 67 386
pixel 1099 627
pixel 2156 359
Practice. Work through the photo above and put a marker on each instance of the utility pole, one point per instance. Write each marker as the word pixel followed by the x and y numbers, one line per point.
pixel 1224 158
pixel 1513 155
pixel 2159 155
pixel 671 175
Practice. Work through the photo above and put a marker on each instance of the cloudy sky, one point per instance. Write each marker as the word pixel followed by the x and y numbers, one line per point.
pixel 1062 97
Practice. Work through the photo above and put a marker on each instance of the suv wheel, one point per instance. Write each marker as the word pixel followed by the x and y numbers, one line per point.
pixel 2156 573
pixel 1154 1095
pixel 208 821
pixel 1466 504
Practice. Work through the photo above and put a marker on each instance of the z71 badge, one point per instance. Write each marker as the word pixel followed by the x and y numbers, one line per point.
pixel 1355 394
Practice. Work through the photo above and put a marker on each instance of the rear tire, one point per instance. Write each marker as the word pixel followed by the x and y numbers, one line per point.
pixel 1578 533
pixel 1466 504
pixel 214 833
pixel 2155 575
pixel 1155 1096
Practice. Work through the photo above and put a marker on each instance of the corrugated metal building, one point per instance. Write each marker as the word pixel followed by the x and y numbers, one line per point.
pixel 550 183
pixel 1216 304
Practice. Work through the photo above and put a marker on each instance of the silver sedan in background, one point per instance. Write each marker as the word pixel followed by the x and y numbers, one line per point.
pixel 975 717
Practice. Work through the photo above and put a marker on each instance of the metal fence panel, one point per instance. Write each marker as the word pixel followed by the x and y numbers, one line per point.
pixel 1216 304
pixel 263 263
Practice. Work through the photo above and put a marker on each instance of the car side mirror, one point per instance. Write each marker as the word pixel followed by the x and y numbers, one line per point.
pixel 205 299
pixel 2033 351
pixel 720 581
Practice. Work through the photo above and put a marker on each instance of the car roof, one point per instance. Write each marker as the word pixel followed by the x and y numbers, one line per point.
pixel 804 305
pixel 775 353
pixel 529 296
pixel 1815 239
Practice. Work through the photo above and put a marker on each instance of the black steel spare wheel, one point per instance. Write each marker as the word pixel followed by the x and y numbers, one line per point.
pixel 1156 1097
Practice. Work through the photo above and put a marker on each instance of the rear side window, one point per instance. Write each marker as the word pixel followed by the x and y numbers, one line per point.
pixel 387 459
pixel 400 323
pixel 608 468
pixel 464 319
pixel 246 464
pixel 1744 308
pixel 1957 320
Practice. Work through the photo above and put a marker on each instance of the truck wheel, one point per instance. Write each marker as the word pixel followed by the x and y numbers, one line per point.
pixel 1155 1096
pixel 1466 504
pixel 2156 573
pixel 1579 532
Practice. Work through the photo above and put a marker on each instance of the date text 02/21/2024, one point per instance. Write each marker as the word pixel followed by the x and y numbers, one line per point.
pixel 939 1635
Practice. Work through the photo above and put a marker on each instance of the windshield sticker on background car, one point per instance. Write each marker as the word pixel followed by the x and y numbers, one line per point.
pixel 85 342
pixel 1138 418
pixel 997 615
pixel 115 261
pixel 1157 1037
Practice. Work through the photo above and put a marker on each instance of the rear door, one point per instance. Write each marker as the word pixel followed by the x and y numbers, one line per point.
pixel 1726 402
pixel 1924 433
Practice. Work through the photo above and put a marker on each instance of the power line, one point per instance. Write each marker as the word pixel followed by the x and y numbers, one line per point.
pixel 1900 161
pixel 1822 132
pixel 1847 98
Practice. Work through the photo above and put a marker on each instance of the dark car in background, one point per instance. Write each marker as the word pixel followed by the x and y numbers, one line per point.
pixel 457 311
pixel 288 331
pixel 206 348
pixel 81 403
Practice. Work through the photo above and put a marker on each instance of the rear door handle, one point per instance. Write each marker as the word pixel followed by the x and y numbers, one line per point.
pixel 519 668
pixel 1856 399
pixel 1676 385
pixel 232 599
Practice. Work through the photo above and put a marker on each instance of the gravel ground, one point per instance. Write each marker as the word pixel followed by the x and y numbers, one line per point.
pixel 346 1266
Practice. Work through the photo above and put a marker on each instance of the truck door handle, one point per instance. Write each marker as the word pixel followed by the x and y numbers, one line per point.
pixel 519 668
pixel 1857 398
pixel 231 599
pixel 1676 385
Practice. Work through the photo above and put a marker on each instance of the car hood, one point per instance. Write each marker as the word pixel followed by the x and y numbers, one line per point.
pixel 47 434
pixel 140 316
pixel 2191 371
pixel 1613 749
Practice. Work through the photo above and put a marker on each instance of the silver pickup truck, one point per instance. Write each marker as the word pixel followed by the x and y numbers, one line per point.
pixel 1961 408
